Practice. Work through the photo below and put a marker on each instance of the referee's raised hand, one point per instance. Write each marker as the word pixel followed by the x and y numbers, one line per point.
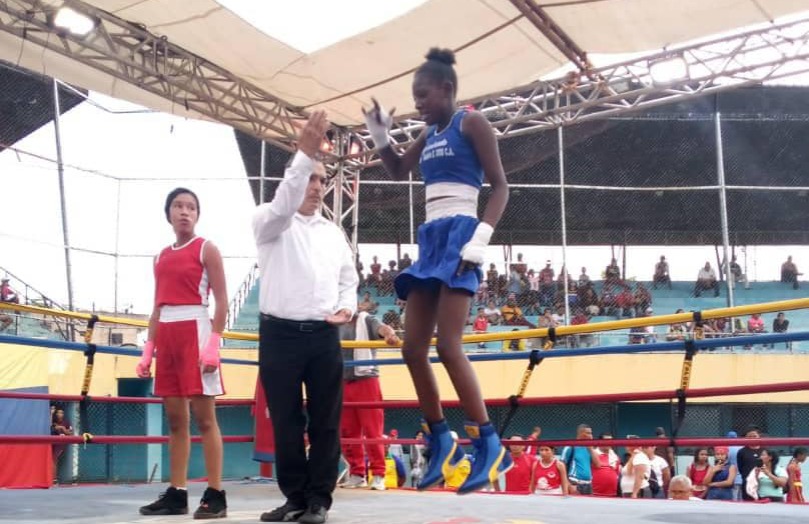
pixel 311 136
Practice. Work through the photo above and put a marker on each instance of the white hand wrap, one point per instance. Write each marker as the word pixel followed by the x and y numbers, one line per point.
pixel 475 249
pixel 379 123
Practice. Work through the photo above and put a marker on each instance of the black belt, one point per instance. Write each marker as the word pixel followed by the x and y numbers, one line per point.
pixel 304 326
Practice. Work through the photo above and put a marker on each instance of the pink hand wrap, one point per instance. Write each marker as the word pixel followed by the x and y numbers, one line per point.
pixel 210 353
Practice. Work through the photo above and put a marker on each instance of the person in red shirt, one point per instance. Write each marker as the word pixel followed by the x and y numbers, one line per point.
pixel 550 474
pixel 605 473
pixel 187 346
pixel 697 471
pixel 519 477
pixel 795 494
pixel 480 325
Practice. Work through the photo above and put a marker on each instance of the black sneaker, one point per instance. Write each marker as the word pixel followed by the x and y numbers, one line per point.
pixel 212 506
pixel 171 502
pixel 315 514
pixel 286 513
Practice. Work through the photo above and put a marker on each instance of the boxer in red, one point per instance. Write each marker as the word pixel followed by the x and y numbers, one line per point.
pixel 187 347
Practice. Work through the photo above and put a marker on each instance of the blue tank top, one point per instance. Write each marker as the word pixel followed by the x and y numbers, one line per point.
pixel 448 156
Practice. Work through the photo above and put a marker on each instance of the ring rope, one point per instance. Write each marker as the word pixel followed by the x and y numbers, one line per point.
pixel 611 325
pixel 657 347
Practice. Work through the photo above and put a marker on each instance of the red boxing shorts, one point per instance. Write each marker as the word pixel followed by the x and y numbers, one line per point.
pixel 181 334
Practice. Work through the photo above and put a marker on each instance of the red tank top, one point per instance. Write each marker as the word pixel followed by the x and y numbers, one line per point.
pixel 518 478
pixel 547 477
pixel 180 277
pixel 697 476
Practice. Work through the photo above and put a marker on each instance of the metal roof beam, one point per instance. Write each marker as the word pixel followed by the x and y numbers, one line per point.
pixel 129 52
pixel 751 57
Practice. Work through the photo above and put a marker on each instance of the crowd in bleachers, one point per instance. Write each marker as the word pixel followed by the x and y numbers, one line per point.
pixel 525 297
pixel 732 473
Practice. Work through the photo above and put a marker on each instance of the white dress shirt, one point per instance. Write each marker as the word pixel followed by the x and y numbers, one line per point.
pixel 305 263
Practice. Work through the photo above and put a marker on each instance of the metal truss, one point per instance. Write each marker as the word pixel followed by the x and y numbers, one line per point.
pixel 129 52
pixel 751 57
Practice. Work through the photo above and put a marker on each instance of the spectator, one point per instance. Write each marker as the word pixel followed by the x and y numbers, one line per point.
pixel 546 287
pixel 512 314
pixel 493 314
pixel 417 459
pixel 367 304
pixel 635 474
pixel 680 488
pixel 480 325
pixel 720 477
pixel 580 317
pixel 736 274
pixel 375 277
pixel 60 426
pixel 578 462
pixel 405 262
pixel 678 331
pixel 659 473
pixel 584 279
pixel 747 460
pixel 360 384
pixel 612 274
pixel 606 469
pixel 560 280
pixel 395 450
pixel 756 324
pixel 795 493
pixel 550 475
pixel 661 274
pixel 780 324
pixel 772 478
pixel 643 299
pixel 5 321
pixel 706 279
pixel 697 472
pixel 625 302
pixel 520 476
pixel 482 293
pixel 732 456
pixel 7 293
pixel 516 344
pixel 789 273
pixel 520 267
pixel 395 473
pixel 666 452
pixel 588 298
pixel 515 283
pixel 643 334
pixel 533 288
pixel 460 472
pixel 492 280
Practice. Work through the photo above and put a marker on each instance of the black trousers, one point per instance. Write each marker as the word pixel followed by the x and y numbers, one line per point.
pixel 292 354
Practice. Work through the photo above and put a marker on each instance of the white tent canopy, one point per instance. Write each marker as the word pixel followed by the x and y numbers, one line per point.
pixel 498 49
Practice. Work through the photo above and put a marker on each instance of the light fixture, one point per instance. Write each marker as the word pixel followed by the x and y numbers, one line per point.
pixel 355 147
pixel 72 21
pixel 668 69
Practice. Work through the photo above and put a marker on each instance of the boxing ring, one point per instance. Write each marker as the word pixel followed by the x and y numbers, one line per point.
pixel 247 498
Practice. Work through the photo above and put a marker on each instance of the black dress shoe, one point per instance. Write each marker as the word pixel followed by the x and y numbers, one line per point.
pixel 315 514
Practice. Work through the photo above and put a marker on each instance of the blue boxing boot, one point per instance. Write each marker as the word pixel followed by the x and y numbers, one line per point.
pixel 445 454
pixel 490 458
